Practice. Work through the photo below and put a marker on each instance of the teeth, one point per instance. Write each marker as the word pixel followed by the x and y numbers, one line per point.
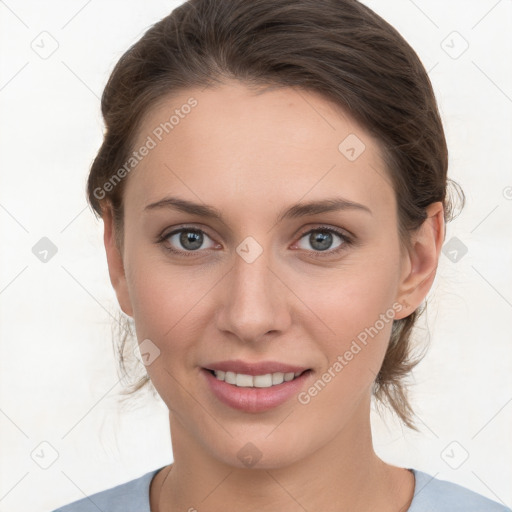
pixel 244 381
pixel 230 377
pixel 255 381
pixel 277 378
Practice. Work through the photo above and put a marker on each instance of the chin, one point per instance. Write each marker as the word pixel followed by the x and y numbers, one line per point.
pixel 261 450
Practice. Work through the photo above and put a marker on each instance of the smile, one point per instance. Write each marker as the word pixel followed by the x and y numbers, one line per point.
pixel 255 393
pixel 255 381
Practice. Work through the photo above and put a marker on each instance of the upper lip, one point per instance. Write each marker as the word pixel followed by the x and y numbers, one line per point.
pixel 259 368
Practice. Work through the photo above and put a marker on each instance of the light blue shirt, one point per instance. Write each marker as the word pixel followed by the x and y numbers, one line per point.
pixel 430 495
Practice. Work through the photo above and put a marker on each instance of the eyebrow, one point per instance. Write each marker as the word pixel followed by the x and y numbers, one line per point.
pixel 293 212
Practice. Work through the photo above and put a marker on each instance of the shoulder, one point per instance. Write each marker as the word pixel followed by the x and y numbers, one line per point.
pixel 127 497
pixel 434 495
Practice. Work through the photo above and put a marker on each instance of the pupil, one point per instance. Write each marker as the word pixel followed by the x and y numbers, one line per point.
pixel 323 238
pixel 190 236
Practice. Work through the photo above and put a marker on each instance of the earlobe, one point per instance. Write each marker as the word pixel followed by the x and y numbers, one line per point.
pixel 423 257
pixel 115 262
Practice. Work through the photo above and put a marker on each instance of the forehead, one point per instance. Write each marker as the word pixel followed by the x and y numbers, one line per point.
pixel 268 145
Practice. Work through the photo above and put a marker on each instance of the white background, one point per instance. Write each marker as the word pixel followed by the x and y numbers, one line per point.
pixel 59 382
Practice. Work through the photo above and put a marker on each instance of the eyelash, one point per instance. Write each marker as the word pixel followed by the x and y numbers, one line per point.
pixel 346 241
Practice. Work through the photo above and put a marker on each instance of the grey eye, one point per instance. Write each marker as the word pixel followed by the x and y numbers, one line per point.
pixel 321 239
pixel 187 239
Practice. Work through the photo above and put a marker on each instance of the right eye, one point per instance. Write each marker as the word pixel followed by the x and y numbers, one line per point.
pixel 184 241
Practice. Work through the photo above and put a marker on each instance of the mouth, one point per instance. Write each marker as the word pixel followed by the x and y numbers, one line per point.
pixel 267 380
pixel 255 388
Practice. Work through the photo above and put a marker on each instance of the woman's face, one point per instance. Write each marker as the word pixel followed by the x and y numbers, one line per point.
pixel 269 280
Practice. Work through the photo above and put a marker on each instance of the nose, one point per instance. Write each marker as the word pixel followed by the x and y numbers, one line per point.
pixel 253 303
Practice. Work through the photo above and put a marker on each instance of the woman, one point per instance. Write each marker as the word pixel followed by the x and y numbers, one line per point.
pixel 273 186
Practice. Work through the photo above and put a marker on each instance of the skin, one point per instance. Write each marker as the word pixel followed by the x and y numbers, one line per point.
pixel 251 155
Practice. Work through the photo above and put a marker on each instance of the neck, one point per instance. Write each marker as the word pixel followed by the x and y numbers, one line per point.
pixel 344 475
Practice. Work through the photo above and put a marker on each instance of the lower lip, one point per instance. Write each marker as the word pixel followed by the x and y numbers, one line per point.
pixel 254 399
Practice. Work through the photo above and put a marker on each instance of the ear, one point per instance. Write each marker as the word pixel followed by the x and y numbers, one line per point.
pixel 421 260
pixel 115 262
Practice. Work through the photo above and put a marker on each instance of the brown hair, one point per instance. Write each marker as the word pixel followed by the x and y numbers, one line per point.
pixel 338 48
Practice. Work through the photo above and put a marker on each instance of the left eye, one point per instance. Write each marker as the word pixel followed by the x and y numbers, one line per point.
pixel 321 239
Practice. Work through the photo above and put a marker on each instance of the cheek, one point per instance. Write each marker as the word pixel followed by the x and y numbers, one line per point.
pixel 166 299
pixel 360 317
pixel 355 312
pixel 166 305
pixel 353 299
pixel 360 327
